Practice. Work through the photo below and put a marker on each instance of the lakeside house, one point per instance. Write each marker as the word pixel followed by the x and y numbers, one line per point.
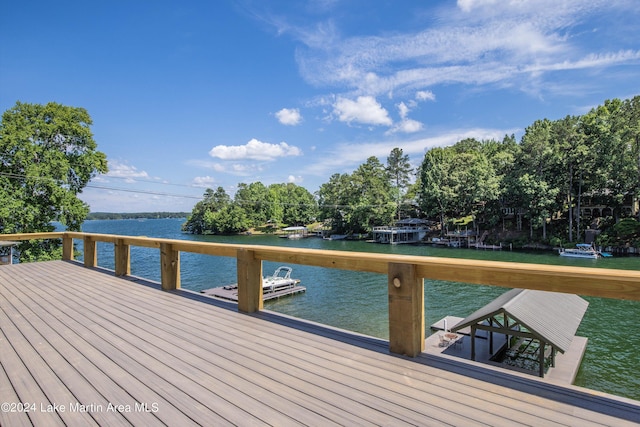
pixel 409 230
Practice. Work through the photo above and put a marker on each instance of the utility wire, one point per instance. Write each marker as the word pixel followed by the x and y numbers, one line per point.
pixel 200 198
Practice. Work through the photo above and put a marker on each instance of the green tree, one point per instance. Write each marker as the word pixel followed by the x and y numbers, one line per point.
pixel 438 190
pixel 299 207
pixel 502 156
pixel 47 157
pixel 399 170
pixel 539 174
pixel 631 134
pixel 229 220
pixel 254 200
pixel 539 198
pixel 474 178
pixel 575 161
pixel 612 133
pixel 371 198
pixel 334 202
pixel 457 181
pixel 212 201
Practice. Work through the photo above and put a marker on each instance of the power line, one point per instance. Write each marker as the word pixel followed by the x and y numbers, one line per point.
pixel 104 187
pixel 184 196
pixel 153 193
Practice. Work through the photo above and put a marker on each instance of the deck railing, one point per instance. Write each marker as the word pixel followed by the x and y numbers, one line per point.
pixel 405 274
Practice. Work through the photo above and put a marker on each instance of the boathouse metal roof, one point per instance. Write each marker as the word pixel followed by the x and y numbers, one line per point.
pixel 412 221
pixel 550 316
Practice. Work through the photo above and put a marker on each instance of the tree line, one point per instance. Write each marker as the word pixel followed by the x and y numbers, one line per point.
pixel 548 175
pixel 135 215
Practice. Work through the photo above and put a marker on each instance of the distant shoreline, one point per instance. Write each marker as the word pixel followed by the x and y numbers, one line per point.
pixel 135 215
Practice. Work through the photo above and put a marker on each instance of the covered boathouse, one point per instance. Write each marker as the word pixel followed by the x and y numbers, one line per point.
pixel 537 324
pixel 408 230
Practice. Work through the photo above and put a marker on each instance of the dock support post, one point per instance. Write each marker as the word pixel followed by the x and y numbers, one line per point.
pixel 90 252
pixel 406 310
pixel 169 267
pixel 67 248
pixel 122 255
pixel 249 281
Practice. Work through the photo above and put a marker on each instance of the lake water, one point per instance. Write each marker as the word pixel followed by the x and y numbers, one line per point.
pixel 358 301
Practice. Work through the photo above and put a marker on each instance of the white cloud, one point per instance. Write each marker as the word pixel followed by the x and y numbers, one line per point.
pixel 476 42
pixel 403 110
pixel 289 116
pixel 469 5
pixel 254 150
pixel 365 110
pixel 425 95
pixel 125 171
pixel 347 157
pixel 407 126
pixel 203 181
pixel 295 179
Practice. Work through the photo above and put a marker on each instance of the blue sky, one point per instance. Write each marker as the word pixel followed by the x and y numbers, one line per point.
pixel 195 94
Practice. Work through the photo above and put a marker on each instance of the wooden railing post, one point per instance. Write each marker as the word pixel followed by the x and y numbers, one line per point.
pixel 67 248
pixel 249 281
pixel 122 255
pixel 169 267
pixel 406 310
pixel 90 252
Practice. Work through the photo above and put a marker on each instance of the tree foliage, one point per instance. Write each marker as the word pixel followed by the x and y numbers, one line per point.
pixel 252 206
pixel 47 157
pixel 544 176
pixel 357 202
pixel 399 170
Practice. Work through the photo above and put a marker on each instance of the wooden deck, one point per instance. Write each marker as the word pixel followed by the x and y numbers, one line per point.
pixel 79 346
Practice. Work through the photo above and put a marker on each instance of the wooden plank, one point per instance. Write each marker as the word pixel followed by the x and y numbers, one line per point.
pixel 111 381
pixel 273 367
pixel 249 270
pixel 90 252
pixel 51 372
pixel 314 365
pixel 169 267
pixel 198 376
pixel 214 365
pixel 175 408
pixel 122 258
pixel 406 310
pixel 67 248
pixel 26 386
pixel 10 415
pixel 330 391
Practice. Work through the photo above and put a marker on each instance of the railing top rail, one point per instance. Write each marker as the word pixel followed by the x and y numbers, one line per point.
pixel 601 282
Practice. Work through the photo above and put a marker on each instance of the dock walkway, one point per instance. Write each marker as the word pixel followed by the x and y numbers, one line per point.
pixel 82 347
pixel 230 292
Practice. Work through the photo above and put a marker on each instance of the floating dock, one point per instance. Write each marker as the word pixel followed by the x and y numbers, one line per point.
pixel 564 372
pixel 230 292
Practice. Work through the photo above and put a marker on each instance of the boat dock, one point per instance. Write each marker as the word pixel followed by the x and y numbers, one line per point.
pixel 566 364
pixel 230 292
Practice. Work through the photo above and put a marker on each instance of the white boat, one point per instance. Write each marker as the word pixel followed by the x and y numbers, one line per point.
pixel 337 237
pixel 275 286
pixel 582 250
pixel 281 279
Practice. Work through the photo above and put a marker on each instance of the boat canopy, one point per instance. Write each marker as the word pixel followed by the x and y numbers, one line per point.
pixel 551 317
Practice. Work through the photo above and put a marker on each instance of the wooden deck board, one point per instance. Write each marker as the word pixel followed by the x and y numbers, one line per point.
pixel 88 335
pixel 533 408
pixel 274 357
